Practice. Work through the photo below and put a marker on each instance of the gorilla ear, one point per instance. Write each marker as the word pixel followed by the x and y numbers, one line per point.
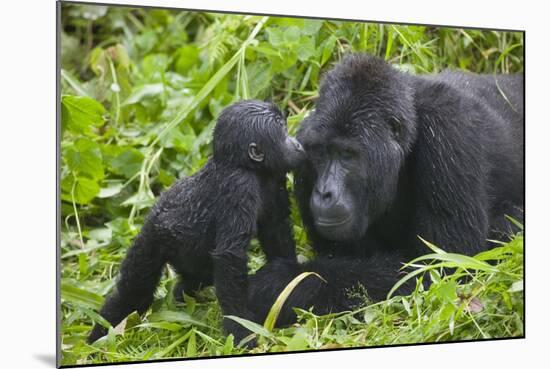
pixel 254 153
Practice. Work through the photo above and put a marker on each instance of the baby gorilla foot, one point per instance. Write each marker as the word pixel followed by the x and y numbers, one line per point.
pixel 97 332
pixel 188 285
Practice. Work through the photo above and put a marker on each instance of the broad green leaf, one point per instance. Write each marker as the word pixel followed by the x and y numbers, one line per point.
pixel 127 163
pixel 119 55
pixel 142 199
pixel 447 312
pixel 287 22
pixel 446 291
pixel 165 178
pixel 99 62
pixel 85 189
pixel 154 65
pixel 80 113
pixel 101 234
pixel 110 191
pixel 275 36
pixel 178 140
pixel 312 26
pixel 298 342
pixel 306 48
pixel 186 57
pixel 259 77
pixel 84 158
pixel 228 345
pixel 146 40
pixel 267 49
pixel 142 92
pixel 291 35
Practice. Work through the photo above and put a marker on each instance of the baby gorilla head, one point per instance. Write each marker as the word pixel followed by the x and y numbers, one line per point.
pixel 253 134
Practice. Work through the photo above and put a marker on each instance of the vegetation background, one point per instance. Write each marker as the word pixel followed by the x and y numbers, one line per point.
pixel 140 91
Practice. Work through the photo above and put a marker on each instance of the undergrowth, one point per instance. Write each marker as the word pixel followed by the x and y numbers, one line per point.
pixel 140 91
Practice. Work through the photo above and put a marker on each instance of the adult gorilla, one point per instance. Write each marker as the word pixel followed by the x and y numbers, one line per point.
pixel 391 157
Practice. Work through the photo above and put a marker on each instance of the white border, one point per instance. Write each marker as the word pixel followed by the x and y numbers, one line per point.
pixel 27 185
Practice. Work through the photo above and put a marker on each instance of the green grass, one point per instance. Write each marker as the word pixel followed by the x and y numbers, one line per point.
pixel 140 93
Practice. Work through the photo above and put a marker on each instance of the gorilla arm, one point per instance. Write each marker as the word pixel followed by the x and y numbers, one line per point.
pixel 274 227
pixel 346 281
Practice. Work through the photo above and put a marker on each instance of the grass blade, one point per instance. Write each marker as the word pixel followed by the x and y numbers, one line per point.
pixel 251 326
pixel 273 314
pixel 433 247
pixel 175 317
pixel 172 346
pixel 81 297
pixel 457 261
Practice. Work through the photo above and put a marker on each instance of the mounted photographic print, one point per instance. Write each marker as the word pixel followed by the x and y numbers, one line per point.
pixel 234 184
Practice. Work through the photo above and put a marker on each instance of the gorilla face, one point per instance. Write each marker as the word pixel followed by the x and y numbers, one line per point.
pixel 354 177
pixel 356 141
pixel 337 195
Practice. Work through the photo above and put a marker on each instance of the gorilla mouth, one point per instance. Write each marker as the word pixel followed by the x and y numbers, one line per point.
pixel 328 223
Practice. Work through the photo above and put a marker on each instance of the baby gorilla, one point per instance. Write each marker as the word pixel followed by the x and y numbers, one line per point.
pixel 203 224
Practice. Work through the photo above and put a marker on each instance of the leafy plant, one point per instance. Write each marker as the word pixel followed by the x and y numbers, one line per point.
pixel 141 89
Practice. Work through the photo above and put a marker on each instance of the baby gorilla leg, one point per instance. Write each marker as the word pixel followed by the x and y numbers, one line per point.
pixel 138 278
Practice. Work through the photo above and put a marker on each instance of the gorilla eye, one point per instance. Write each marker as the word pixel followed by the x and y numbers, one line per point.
pixel 347 154
pixel 255 153
pixel 396 128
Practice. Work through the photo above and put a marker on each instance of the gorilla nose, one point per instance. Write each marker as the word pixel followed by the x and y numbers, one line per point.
pixel 297 145
pixel 328 209
pixel 323 197
pixel 326 196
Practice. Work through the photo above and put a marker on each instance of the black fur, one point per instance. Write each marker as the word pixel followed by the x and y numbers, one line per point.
pixel 391 157
pixel 342 289
pixel 203 224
